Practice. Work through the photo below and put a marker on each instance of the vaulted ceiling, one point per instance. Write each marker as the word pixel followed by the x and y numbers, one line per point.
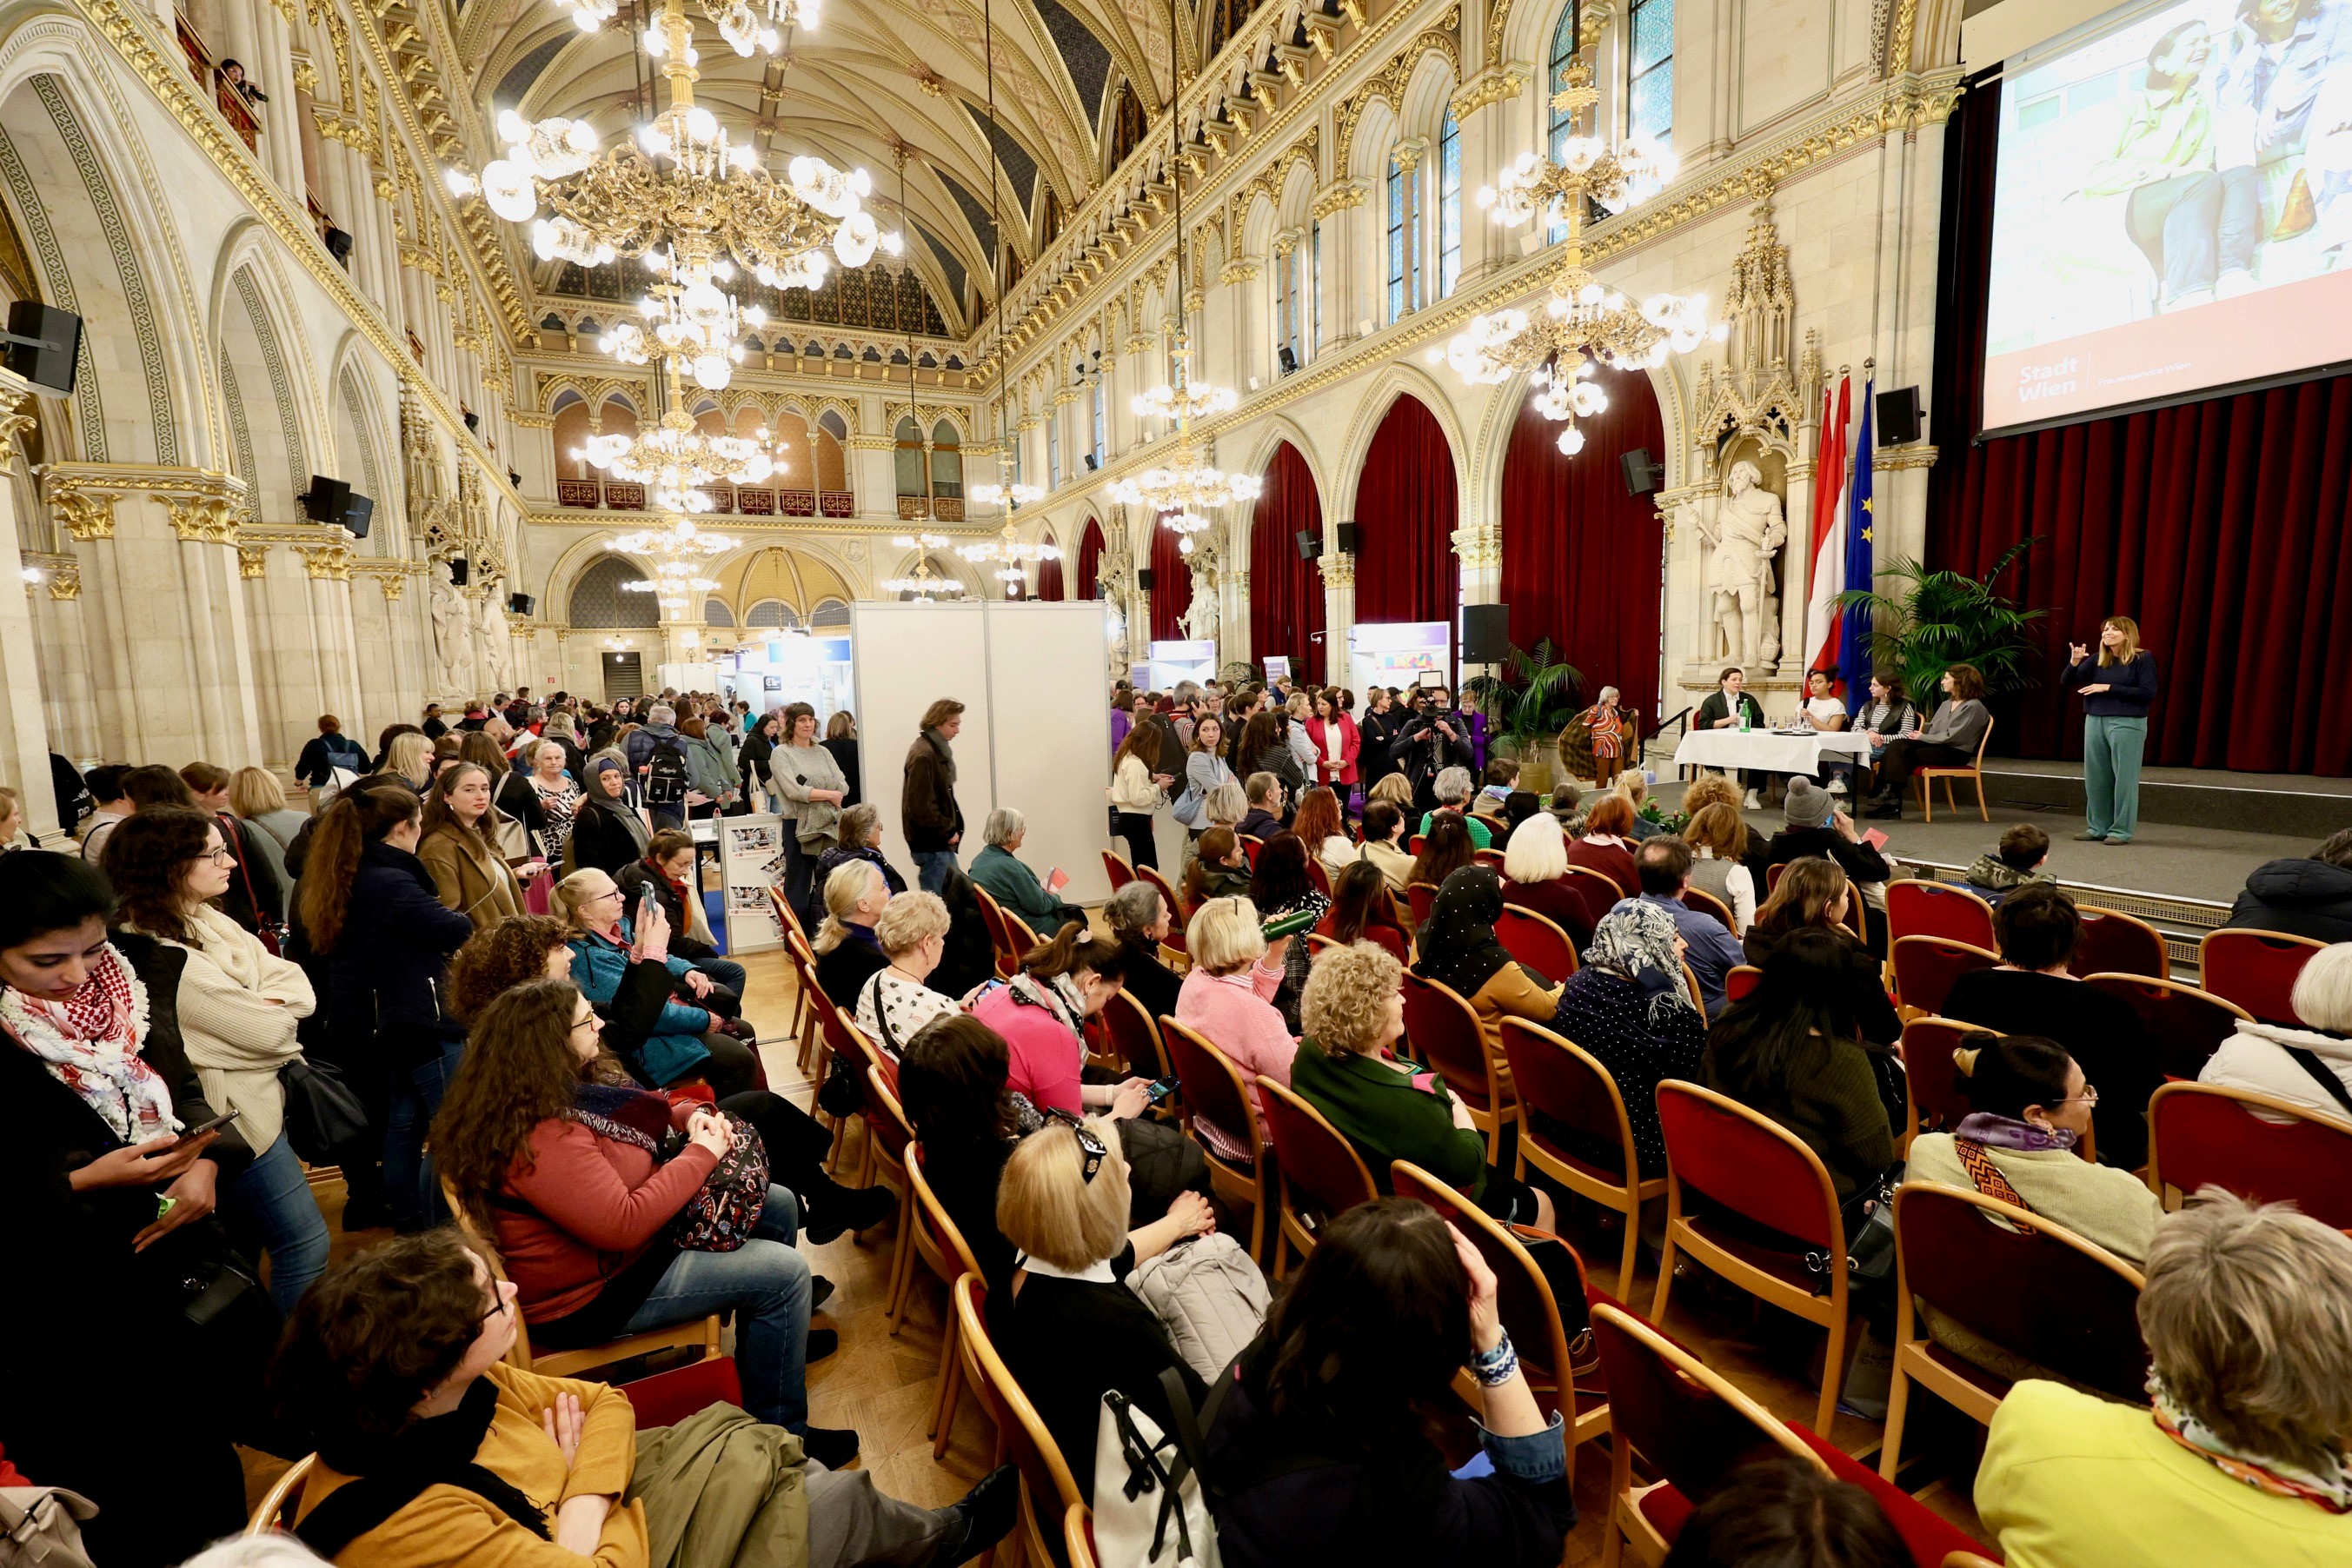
pixel 872 77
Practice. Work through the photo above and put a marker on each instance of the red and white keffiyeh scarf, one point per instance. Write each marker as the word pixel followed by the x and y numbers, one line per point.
pixel 90 1043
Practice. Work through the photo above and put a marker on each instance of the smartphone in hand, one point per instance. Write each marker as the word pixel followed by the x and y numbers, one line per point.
pixel 1161 1090
pixel 189 1135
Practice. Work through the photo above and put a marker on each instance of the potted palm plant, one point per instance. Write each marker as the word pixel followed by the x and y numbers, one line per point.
pixel 1934 620
pixel 1526 705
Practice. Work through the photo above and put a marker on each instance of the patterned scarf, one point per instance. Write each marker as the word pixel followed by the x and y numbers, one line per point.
pixel 1635 941
pixel 2001 1132
pixel 90 1043
pixel 2330 1489
pixel 623 1115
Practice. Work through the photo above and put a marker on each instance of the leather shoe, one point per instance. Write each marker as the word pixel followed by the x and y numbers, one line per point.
pixel 850 1208
pixel 983 1518
pixel 2087 836
pixel 834 1447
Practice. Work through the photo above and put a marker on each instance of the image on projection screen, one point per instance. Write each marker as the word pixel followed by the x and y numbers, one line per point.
pixel 2173 209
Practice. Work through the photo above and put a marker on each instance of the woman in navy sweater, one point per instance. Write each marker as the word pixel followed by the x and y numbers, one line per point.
pixel 2116 695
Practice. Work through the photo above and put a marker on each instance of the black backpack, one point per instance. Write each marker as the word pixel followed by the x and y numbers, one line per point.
pixel 666 777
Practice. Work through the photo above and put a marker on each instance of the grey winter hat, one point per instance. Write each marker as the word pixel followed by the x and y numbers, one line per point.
pixel 1808 805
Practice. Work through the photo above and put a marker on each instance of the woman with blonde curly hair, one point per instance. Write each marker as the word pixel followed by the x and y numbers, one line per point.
pixel 1388 1107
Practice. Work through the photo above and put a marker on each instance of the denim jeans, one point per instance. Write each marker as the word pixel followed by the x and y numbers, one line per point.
pixel 725 971
pixel 409 1184
pixel 932 867
pixel 269 1209
pixel 766 1282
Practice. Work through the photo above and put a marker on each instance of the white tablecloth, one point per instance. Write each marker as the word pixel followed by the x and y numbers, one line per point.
pixel 1767 751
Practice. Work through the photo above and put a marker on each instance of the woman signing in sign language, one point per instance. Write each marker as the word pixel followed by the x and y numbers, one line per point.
pixel 2116 692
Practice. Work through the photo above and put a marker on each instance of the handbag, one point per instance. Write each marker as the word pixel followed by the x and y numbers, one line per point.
pixel 40 1527
pixel 1156 1518
pixel 269 929
pixel 720 1214
pixel 324 1117
pixel 1560 1269
pixel 1868 1219
pixel 844 1091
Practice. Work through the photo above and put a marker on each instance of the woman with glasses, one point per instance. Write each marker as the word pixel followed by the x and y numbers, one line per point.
pixel 238 1006
pixel 693 1038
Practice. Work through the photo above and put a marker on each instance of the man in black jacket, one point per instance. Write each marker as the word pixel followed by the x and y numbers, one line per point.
pixel 1435 739
pixel 2309 897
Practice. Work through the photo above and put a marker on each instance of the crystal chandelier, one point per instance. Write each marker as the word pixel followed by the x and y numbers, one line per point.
pixel 925 584
pixel 679 539
pixel 676 457
pixel 1009 496
pixel 672 584
pixel 1186 487
pixel 1010 550
pixel 1582 323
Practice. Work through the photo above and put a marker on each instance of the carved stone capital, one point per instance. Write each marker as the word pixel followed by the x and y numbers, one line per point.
pixel 1408 153
pixel 329 561
pixel 252 560
pixel 1496 84
pixel 1338 571
pixel 85 515
pixel 204 520
pixel 61 575
pixel 14 420
pixel 1479 545
pixel 1338 197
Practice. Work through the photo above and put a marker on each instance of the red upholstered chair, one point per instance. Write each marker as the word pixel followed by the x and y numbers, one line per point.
pixel 1413 844
pixel 1557 1079
pixel 1599 890
pixel 1537 942
pixel 1740 980
pixel 1525 1302
pixel 1720 1154
pixel 1444 1032
pixel 1134 1037
pixel 992 914
pixel 1180 916
pixel 2117 943
pixel 2262 1148
pixel 1916 907
pixel 1116 868
pixel 942 1248
pixel 2016 1281
pixel 1209 1086
pixel 2256 970
pixel 1318 1173
pixel 2184 1026
pixel 1926 966
pixel 1934 1541
pixel 1707 903
pixel 1018 939
pixel 1490 859
pixel 1422 896
pixel 1048 1490
pixel 807 992
pixel 1251 845
pixel 1078 1536
pixel 1931 1076
pixel 1319 875
pixel 1772 878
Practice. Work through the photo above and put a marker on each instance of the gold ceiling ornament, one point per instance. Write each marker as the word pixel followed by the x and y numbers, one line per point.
pixel 925 584
pixel 1584 324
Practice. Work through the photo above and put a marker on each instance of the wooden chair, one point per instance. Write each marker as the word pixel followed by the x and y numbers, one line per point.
pixel 1740 982
pixel 809 996
pixel 1538 941
pixel 1251 845
pixel 846 1039
pixel 1557 1080
pixel 1749 1164
pixel 2258 1146
pixel 1019 939
pixel 283 1494
pixel 1699 899
pixel 1317 941
pixel 1078 1536
pixel 2015 1280
pixel 1689 1426
pixel 1047 1490
pixel 1175 902
pixel 1930 1075
pixel 992 914
pixel 1412 843
pixel 2256 970
pixel 1116 868
pixel 2184 1026
pixel 1319 875
pixel 696 1332
pixel 942 1248
pixel 788 916
pixel 1527 1305
pixel 1444 1032
pixel 1690 984
pixel 1926 967
pixel 1772 878
pixel 1212 1087
pixel 1599 890
pixel 2117 943
pixel 1422 896
pixel 1318 1171
pixel 1975 770
pixel 1490 858
pixel 1916 907
pixel 1135 1036
pixel 890 1135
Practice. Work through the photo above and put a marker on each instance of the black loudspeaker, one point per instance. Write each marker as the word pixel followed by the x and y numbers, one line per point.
pixel 1310 543
pixel 1642 474
pixel 1347 537
pixel 1289 360
pixel 1486 633
pixel 357 515
pixel 43 343
pixel 327 499
pixel 1143 578
pixel 521 604
pixel 1093 462
pixel 473 420
pixel 459 571
pixel 1898 416
pixel 338 245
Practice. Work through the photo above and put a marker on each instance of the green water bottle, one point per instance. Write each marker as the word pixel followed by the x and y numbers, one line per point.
pixel 1743 718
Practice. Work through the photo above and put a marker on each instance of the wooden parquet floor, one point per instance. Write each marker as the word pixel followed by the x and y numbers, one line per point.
pixel 884 1386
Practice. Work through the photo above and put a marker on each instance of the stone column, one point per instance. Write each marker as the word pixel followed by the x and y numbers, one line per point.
pixel 333 637
pixel 1479 547
pixel 1485 110
pixel 24 737
pixel 1337 308
pixel 55 601
pixel 1244 278
pixel 1339 611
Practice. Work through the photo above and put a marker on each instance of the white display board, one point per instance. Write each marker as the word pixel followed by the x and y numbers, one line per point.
pixel 1036 722
pixel 1397 652
pixel 750 861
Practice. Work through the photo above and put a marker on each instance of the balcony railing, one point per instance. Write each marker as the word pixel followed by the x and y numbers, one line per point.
pixel 937 509
pixel 232 104
pixel 741 500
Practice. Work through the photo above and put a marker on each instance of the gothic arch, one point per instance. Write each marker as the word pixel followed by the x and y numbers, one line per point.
pixel 1396 379
pixel 275 396
pixel 1276 432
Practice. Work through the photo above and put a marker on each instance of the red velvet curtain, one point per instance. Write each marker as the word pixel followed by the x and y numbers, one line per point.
pixel 1171 585
pixel 1406 513
pixel 1049 581
pixel 1580 557
pixel 2220 526
pixel 1091 549
pixel 1286 592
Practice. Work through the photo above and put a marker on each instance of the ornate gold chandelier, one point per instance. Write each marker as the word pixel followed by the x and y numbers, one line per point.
pixel 1186 487
pixel 1008 549
pixel 676 457
pixel 678 539
pixel 925 584
pixel 673 583
pixel 1582 323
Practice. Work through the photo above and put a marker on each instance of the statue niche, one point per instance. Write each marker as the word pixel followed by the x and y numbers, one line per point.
pixel 1746 528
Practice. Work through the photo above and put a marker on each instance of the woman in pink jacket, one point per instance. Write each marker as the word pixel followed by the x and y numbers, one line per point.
pixel 1228 998
pixel 1337 742
pixel 1042 1012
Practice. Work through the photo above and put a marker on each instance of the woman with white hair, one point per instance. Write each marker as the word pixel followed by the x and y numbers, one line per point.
pixel 1017 889
pixel 2311 1065
pixel 2247 1456
pixel 1535 878
pixel 1605 723
pixel 895 1004
pixel 1453 790
pixel 1228 998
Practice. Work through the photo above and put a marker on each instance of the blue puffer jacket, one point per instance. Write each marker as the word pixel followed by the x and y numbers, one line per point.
pixel 676 1047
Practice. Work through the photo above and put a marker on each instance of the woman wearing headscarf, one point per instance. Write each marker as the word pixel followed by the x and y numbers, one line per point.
pixel 1629 1008
pixel 607 834
pixel 752 761
pixel 1459 948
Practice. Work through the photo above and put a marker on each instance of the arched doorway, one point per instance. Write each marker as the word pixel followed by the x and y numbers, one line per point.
pixel 1091 549
pixel 1286 590
pixel 1406 512
pixel 1171 583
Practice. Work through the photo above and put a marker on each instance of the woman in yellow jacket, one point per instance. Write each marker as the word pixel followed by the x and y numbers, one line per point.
pixel 1458 948
pixel 462 848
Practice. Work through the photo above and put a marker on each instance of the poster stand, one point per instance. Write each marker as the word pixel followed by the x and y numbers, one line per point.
pixel 751 862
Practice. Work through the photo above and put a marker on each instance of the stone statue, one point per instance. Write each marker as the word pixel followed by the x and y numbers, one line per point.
pixel 1201 619
pixel 498 643
pixel 1747 530
pixel 453 653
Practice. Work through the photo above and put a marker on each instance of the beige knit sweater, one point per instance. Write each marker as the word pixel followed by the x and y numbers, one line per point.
pixel 239 1007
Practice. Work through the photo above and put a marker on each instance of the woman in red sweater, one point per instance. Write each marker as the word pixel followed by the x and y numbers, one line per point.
pixel 580 1177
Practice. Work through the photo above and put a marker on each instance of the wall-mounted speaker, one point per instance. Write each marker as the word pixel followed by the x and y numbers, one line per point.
pixel 1899 417
pixel 357 515
pixel 1310 543
pixel 1643 474
pixel 1288 358
pixel 1346 538
pixel 1486 633
pixel 43 345
pixel 327 499
pixel 1143 578
pixel 473 420
pixel 459 571
pixel 1093 462
pixel 521 604
pixel 338 245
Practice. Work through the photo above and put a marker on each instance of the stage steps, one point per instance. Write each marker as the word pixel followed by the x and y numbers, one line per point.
pixel 2215 801
pixel 2182 921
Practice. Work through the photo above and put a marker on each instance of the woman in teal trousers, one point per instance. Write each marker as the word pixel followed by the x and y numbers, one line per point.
pixel 2116 692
